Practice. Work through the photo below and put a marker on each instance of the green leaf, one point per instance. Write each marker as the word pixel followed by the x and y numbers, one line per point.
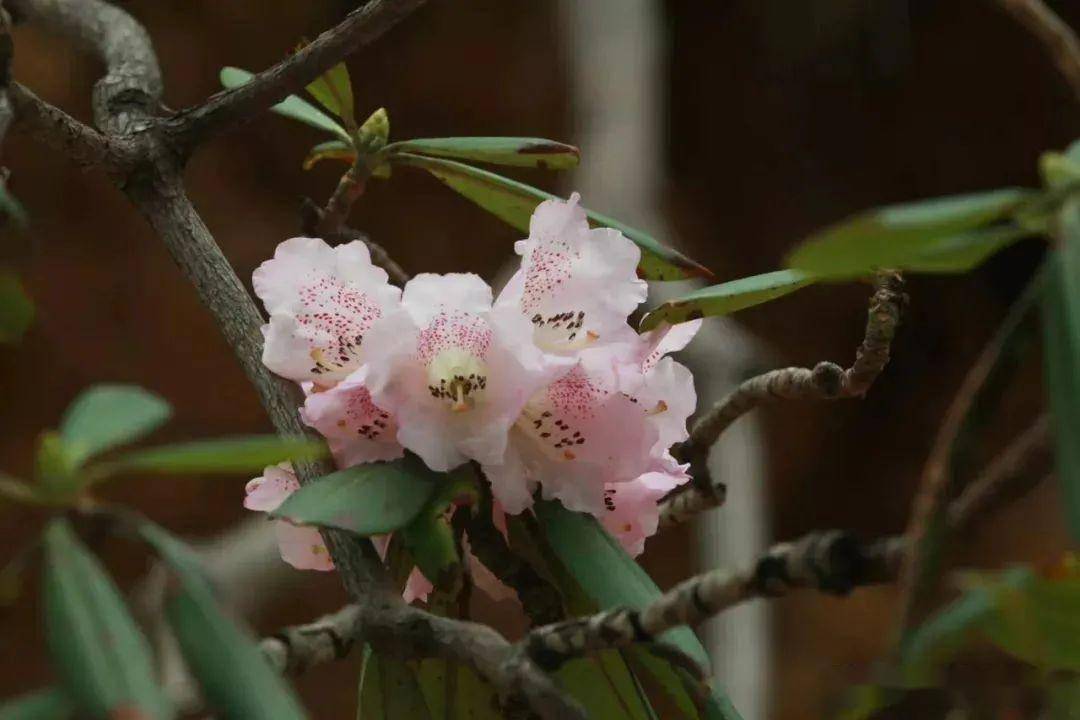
pixel 229 455
pixel 389 691
pixel 728 297
pixel 611 578
pixel 12 208
pixel 333 90
pixel 429 537
pixel 106 416
pixel 454 690
pixel 104 662
pixel 1061 357
pixel 369 499
pixel 47 704
pixel 604 685
pixel 291 107
pixel 905 236
pixel 330 150
pixel 17 491
pixel 16 309
pixel 513 151
pixel 514 202
pixel 224 657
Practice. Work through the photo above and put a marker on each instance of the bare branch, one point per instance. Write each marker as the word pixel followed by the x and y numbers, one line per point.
pixel 79 142
pixel 1054 33
pixel 294 649
pixel 680 507
pixel 232 107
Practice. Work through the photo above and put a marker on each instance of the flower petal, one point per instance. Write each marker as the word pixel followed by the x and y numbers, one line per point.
pixel 357 430
pixel 632 513
pixel 267 492
pixel 302 547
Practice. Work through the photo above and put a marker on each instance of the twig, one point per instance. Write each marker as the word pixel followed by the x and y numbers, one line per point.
pixel 311 224
pixel 294 649
pixel 1054 33
pixel 680 507
pixel 230 108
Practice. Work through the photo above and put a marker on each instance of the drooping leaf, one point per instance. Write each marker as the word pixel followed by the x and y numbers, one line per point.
pixel 1061 357
pixel 728 297
pixel 47 704
pixel 612 578
pixel 369 499
pixel 514 202
pixel 454 690
pixel 106 416
pixel 906 235
pixel 229 455
pixel 605 687
pixel 513 151
pixel 333 90
pixel 389 691
pixel 224 657
pixel 330 150
pixel 104 662
pixel 291 107
pixel 16 309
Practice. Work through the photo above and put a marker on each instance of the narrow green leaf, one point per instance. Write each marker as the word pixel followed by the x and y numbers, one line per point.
pixel 728 297
pixel 104 662
pixel 333 90
pixel 229 455
pixel 454 690
pixel 606 688
pixel 223 656
pixel 389 691
pixel 369 499
pixel 513 151
pixel 1061 357
pixel 330 150
pixel 611 578
pixel 16 309
pixel 106 416
pixel 514 202
pixel 47 704
pixel 904 236
pixel 291 107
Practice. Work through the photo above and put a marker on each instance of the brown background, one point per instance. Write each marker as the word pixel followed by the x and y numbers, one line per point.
pixel 781 116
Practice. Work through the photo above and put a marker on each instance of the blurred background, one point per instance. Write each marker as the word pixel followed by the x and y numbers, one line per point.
pixel 734 127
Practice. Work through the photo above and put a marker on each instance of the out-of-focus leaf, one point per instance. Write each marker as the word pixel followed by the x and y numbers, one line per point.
pixel 291 107
pixel 1038 622
pixel 47 704
pixel 513 151
pixel 330 150
pixel 12 208
pixel 1061 356
pixel 106 416
pixel 224 658
pixel 104 662
pixel 17 491
pixel 389 691
pixel 228 455
pixel 904 236
pixel 369 499
pixel 863 702
pixel 460 695
pixel 514 202
pixel 333 90
pixel 604 685
pixel 611 578
pixel 728 297
pixel 16 309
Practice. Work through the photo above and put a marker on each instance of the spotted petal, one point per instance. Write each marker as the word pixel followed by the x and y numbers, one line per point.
pixel 356 429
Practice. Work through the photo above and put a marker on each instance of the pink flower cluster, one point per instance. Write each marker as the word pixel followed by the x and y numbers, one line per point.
pixel 546 386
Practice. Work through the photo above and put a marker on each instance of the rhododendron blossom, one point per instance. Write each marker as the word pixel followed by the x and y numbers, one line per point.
pixel 356 429
pixel 631 513
pixel 302 547
pixel 453 371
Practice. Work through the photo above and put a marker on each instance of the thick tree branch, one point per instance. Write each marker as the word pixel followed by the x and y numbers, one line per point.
pixel 1054 33
pixel 51 125
pixel 230 108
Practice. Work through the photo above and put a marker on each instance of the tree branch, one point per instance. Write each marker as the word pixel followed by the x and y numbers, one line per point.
pixel 81 143
pixel 230 108
pixel 1054 33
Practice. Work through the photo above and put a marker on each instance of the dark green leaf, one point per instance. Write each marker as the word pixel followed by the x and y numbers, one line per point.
pixel 47 704
pixel 106 416
pixel 333 90
pixel 514 202
pixel 16 309
pixel 1061 332
pixel 12 208
pixel 513 151
pixel 459 694
pixel 604 685
pixel 904 236
pixel 369 499
pixel 389 691
pixel 728 297
pixel 429 537
pixel 330 150
pixel 104 662
pixel 291 107
pixel 230 455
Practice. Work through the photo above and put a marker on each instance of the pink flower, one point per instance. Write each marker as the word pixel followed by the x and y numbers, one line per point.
pixel 322 301
pixel 577 286
pixel 357 430
pixel 631 513
pixel 301 547
pixel 453 371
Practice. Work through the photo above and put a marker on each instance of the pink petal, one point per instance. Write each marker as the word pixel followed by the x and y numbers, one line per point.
pixel 302 547
pixel 267 492
pixel 357 430
pixel 417 587
pixel 667 339
pixel 631 510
